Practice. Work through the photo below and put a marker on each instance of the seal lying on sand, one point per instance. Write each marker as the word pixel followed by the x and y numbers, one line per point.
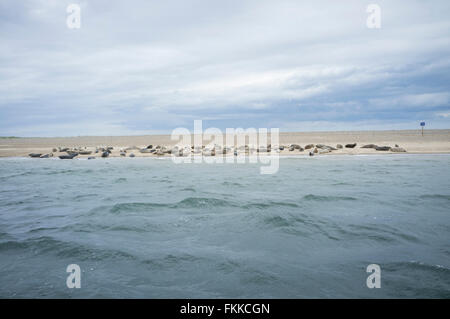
pixel 85 152
pixel 34 155
pixel 68 156
pixel 370 146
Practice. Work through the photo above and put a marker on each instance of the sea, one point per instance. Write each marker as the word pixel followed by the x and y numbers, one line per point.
pixel 321 227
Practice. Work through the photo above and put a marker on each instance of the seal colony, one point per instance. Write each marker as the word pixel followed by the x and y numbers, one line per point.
pixel 288 144
pixel 216 150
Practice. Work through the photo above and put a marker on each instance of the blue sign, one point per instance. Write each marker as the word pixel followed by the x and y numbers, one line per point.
pixel 422 123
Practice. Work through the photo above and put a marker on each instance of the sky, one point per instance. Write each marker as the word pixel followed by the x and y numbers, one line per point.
pixel 147 67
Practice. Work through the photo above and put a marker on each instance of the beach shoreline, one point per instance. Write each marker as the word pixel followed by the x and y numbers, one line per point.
pixel 432 142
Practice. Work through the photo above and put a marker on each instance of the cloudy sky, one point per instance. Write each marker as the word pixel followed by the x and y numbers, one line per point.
pixel 145 67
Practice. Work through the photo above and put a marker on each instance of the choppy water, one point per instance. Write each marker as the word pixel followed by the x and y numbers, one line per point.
pixel 152 228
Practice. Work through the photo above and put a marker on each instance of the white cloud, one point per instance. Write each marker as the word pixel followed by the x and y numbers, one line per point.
pixel 445 115
pixel 178 60
pixel 414 100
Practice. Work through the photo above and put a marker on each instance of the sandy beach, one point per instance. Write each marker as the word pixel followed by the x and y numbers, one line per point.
pixel 433 141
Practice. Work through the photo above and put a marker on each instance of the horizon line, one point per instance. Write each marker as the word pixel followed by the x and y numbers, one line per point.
pixel 280 132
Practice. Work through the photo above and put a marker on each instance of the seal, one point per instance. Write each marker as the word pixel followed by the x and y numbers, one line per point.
pixel 68 156
pixel 34 155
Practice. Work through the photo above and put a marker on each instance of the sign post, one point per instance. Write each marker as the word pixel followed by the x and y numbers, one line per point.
pixel 422 124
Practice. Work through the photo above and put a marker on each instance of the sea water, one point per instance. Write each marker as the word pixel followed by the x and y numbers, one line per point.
pixel 150 228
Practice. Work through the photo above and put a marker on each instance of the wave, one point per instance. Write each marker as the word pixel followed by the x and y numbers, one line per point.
pixel 228 266
pixel 342 184
pixel 84 196
pixel 322 198
pixel 189 202
pixel 72 250
pixel 135 207
pixel 379 233
pixel 227 183
pixel 174 261
pixel 436 196
pixel 71 171
pixel 28 173
pixel 203 202
pixel 278 221
pixel 95 227
pixel 12 245
pixel 418 265
pixel 270 204
pixel 434 278
pixel 303 225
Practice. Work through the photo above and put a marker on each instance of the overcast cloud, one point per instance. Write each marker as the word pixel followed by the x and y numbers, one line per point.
pixel 143 67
